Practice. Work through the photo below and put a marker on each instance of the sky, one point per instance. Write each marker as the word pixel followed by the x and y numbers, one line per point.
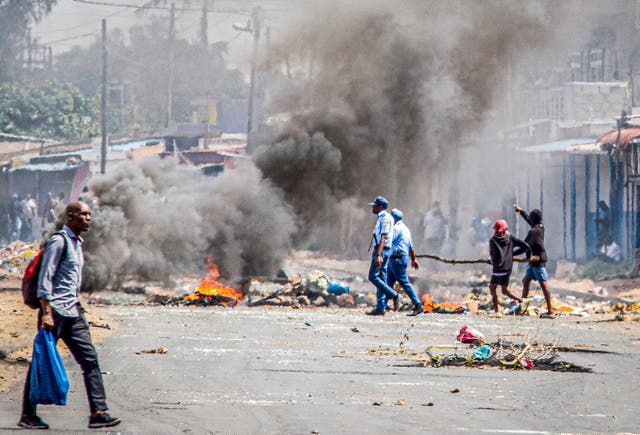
pixel 74 22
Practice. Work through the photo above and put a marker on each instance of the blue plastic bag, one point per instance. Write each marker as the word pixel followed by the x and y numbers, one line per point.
pixel 338 288
pixel 49 382
pixel 483 352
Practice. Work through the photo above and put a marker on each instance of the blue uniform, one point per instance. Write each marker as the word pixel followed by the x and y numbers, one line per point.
pixel 378 276
pixel 399 261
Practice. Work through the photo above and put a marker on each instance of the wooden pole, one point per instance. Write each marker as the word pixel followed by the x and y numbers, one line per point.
pixel 103 106
pixel 459 261
pixel 172 19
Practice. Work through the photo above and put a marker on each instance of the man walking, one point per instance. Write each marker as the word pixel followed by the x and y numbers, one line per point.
pixel 61 313
pixel 381 244
pixel 401 251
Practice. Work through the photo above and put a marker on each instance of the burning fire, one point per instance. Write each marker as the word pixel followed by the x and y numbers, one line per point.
pixel 212 290
pixel 430 306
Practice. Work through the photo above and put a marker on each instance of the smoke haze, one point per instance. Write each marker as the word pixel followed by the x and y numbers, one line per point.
pixel 160 219
pixel 378 100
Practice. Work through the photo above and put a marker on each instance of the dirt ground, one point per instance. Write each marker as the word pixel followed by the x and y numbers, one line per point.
pixel 18 329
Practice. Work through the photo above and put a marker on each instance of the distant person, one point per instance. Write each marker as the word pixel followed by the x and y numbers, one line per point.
pixel 610 250
pixel 15 215
pixel 61 313
pixel 536 269
pixel 401 252
pixel 49 213
pixel 480 230
pixel 29 213
pixel 603 221
pixel 435 229
pixel 381 244
pixel 502 247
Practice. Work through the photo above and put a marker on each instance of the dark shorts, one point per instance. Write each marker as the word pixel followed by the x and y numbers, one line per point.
pixel 500 279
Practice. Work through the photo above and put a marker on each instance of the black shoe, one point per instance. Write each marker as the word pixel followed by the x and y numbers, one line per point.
pixel 417 309
pixel 375 313
pixel 32 422
pixel 396 303
pixel 102 420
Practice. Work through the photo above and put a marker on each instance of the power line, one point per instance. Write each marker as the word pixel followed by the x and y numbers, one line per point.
pixel 161 8
pixel 71 38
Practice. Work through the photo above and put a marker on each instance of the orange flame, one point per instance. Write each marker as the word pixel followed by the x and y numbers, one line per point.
pixel 430 305
pixel 210 287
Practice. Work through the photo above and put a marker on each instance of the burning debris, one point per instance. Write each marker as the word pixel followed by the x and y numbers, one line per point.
pixel 210 291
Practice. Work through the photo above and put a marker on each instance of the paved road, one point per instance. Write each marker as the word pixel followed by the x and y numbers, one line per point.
pixel 266 371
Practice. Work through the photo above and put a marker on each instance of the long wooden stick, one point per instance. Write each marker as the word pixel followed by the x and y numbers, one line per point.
pixel 457 261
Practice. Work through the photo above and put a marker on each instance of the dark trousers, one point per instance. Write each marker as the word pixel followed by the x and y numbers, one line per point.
pixel 74 332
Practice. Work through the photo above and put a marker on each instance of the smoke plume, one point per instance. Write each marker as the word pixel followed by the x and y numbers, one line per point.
pixel 387 97
pixel 160 219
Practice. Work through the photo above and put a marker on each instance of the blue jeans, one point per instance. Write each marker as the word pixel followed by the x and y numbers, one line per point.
pixel 398 272
pixel 378 277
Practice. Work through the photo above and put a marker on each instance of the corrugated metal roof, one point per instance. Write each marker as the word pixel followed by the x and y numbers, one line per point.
pixel 627 136
pixel 58 166
pixel 558 146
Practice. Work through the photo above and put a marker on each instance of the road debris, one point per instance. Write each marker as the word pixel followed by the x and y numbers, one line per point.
pixel 160 350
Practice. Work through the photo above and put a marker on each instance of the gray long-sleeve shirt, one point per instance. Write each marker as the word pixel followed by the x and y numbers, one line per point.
pixel 61 273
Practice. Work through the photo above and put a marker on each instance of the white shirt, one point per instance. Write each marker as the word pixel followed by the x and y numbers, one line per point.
pixel 434 225
pixel 612 251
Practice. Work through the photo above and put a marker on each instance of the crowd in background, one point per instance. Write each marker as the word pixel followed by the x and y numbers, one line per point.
pixel 22 219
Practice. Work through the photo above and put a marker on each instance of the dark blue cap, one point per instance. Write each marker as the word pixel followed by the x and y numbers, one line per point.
pixel 380 200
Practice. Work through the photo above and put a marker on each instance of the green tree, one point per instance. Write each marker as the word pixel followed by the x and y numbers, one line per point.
pixel 15 18
pixel 140 64
pixel 51 110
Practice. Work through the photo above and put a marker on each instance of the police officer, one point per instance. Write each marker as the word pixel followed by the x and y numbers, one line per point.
pixel 381 244
pixel 401 251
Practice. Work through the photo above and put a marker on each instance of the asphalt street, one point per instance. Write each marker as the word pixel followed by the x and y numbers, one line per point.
pixel 249 370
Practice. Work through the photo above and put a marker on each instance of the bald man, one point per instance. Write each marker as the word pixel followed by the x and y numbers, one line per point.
pixel 60 312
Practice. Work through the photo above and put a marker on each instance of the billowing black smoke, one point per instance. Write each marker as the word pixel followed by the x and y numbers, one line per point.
pixel 160 219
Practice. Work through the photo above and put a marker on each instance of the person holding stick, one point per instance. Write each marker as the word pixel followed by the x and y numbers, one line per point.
pixel 502 247
pixel 536 269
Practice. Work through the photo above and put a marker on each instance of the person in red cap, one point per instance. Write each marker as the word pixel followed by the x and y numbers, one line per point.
pixel 502 247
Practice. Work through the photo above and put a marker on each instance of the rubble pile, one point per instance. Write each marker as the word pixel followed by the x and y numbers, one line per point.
pixel 315 289
pixel 16 256
pixel 530 355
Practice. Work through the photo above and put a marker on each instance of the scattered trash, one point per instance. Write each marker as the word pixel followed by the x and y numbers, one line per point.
pixel 308 324
pixel 99 325
pixel 401 402
pixel 377 403
pixel 483 352
pixel 315 431
pixel 427 404
pixel 455 390
pixel 354 329
pixel 337 288
pixel 525 363
pixel 470 335
pixel 160 350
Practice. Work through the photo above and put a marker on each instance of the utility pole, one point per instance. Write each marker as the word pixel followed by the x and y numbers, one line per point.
pixel 172 36
pixel 103 106
pixel 255 19
pixel 204 26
